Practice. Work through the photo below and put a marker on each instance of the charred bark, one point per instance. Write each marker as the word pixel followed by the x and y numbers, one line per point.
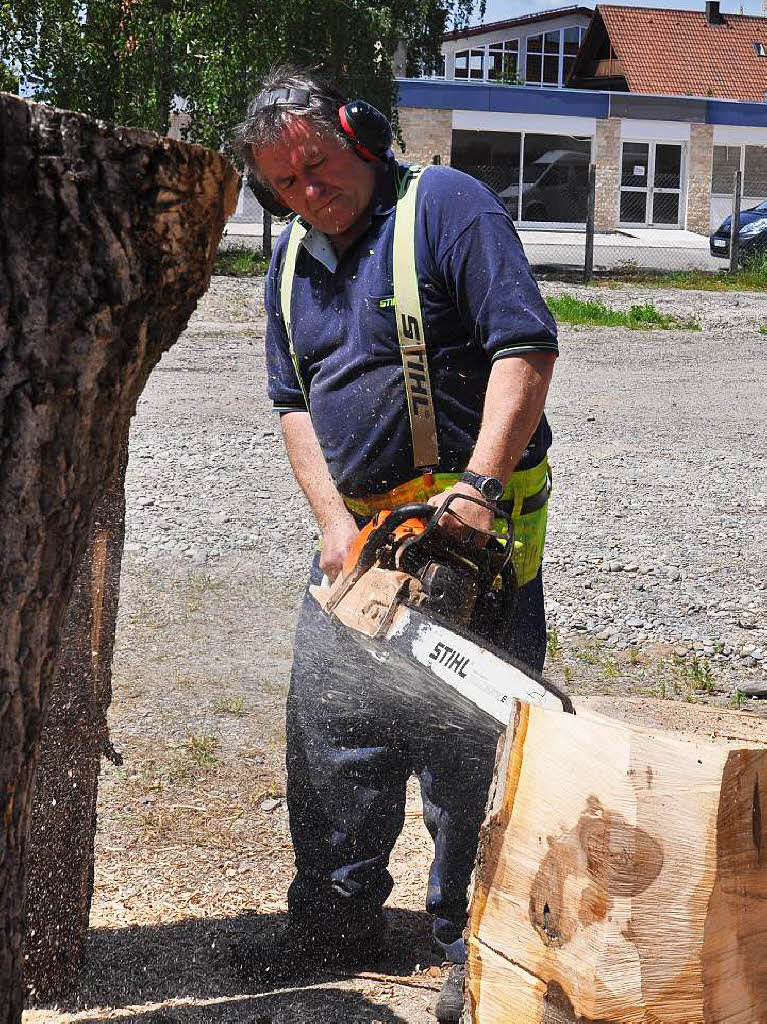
pixel 107 238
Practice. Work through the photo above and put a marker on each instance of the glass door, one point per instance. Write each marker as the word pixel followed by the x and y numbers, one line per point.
pixel 635 183
pixel 651 184
pixel 666 185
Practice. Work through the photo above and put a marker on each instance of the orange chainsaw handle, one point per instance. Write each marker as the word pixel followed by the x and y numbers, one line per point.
pixel 409 521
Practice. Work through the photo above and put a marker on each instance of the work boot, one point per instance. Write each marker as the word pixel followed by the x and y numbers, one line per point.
pixel 284 955
pixel 449 1005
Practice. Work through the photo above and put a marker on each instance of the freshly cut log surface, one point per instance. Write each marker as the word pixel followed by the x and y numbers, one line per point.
pixel 622 873
pixel 107 239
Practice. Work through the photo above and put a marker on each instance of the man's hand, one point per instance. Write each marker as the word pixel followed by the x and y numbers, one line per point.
pixel 475 517
pixel 337 539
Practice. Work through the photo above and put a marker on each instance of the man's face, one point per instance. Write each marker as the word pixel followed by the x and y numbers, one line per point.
pixel 318 177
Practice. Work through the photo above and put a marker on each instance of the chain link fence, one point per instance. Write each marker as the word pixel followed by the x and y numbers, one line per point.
pixel 552 201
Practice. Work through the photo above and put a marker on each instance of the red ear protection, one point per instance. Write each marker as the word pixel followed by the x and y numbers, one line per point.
pixel 368 129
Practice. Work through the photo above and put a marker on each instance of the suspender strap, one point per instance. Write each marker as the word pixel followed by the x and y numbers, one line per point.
pixel 297 234
pixel 407 308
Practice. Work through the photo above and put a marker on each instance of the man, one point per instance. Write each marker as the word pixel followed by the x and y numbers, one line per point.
pixel 349 416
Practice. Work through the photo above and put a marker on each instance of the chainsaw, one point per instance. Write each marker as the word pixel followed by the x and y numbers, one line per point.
pixel 424 604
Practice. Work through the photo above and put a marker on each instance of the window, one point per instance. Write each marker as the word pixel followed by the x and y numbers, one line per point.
pixel 726 163
pixel 534 60
pixel 761 49
pixel 755 172
pixel 550 57
pixel 420 70
pixel 547 51
pixel 555 175
pixel 503 61
pixel 549 184
pixel 493 157
pixel 551 43
pixel 571 43
pixel 469 64
pixel 752 160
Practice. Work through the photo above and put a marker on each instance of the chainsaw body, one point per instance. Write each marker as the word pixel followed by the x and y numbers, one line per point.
pixel 404 556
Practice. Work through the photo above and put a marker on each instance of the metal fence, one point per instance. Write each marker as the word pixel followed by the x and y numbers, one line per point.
pixel 645 241
pixel 553 206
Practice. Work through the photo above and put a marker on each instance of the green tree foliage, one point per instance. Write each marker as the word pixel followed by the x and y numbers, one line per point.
pixel 126 60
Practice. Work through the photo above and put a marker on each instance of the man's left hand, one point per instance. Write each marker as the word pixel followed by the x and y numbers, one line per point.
pixel 473 516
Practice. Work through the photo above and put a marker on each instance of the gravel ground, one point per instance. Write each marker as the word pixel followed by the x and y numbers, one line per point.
pixel 657 525
pixel 655 572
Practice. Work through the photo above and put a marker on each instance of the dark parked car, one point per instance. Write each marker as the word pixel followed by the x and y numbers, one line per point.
pixel 752 232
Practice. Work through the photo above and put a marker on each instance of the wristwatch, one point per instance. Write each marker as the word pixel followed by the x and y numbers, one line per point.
pixel 490 488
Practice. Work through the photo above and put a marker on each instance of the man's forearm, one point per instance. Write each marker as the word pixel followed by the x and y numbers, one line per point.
pixel 310 469
pixel 514 402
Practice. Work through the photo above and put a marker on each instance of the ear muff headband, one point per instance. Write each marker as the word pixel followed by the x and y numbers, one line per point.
pixel 368 129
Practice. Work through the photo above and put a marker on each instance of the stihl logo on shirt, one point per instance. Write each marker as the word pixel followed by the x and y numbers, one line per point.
pixel 451 659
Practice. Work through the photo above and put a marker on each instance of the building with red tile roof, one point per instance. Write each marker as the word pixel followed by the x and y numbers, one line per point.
pixel 674 52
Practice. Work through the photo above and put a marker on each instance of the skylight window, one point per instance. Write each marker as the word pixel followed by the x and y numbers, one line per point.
pixel 761 49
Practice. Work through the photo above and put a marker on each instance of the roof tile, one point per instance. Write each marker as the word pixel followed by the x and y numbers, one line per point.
pixel 679 53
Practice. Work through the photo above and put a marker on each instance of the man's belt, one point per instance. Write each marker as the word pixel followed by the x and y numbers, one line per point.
pixel 531 503
pixel 424 487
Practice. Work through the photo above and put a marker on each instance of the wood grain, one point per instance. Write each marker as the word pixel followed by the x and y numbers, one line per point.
pixel 621 877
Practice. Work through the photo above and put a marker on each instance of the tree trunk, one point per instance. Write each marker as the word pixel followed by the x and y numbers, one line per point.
pixel 620 875
pixel 107 238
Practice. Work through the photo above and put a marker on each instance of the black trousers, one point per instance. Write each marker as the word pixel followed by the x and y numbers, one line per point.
pixel 350 752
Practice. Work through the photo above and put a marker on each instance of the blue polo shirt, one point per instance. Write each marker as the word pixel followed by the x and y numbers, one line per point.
pixel 479 303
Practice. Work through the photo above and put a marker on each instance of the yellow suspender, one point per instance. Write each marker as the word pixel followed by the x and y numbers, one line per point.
pixel 297 234
pixel 407 310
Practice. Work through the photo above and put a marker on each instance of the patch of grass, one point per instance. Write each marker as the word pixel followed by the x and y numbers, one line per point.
pixel 197 584
pixel 202 748
pixel 697 672
pixel 230 706
pixel 752 276
pixel 197 755
pixel 634 656
pixel 572 310
pixel 763 329
pixel 552 642
pixel 590 655
pixel 610 669
pixel 738 699
pixel 567 674
pixel 240 261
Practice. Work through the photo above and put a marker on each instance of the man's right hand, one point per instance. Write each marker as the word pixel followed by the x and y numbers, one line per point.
pixel 337 539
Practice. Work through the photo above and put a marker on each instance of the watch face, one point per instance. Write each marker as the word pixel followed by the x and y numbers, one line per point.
pixel 491 488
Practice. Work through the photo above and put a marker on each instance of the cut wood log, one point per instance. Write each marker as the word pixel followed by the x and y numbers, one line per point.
pixel 622 872
pixel 107 239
